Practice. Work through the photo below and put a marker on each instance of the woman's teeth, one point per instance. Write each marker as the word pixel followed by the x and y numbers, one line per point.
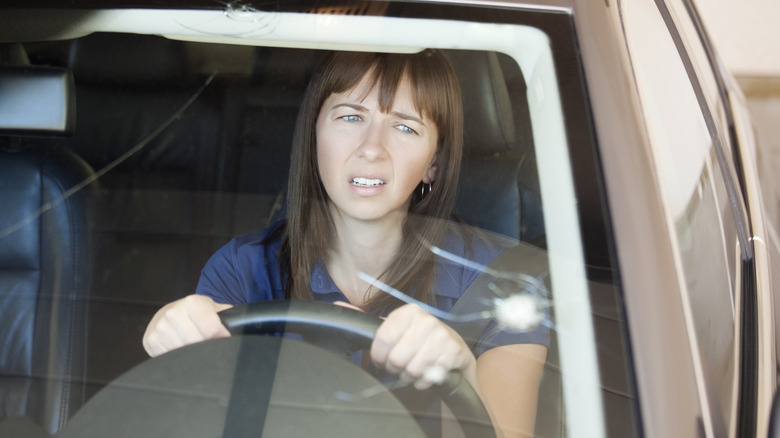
pixel 366 182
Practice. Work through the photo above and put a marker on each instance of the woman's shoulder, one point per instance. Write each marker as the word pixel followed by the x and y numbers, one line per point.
pixel 464 253
pixel 474 244
pixel 244 270
pixel 270 237
pixel 244 252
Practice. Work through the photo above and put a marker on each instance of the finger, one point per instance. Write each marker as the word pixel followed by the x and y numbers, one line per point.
pixel 347 305
pixel 409 347
pixel 153 347
pixel 436 373
pixel 433 375
pixel 438 349
pixel 163 338
pixel 178 326
pixel 442 352
pixel 204 319
pixel 419 342
pixel 150 343
pixel 389 333
pixel 182 322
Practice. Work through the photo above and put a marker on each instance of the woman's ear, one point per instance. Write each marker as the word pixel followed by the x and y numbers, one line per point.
pixel 430 174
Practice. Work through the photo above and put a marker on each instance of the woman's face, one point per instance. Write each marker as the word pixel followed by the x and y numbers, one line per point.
pixel 371 161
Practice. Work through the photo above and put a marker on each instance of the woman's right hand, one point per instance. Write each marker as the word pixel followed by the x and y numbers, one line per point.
pixel 186 321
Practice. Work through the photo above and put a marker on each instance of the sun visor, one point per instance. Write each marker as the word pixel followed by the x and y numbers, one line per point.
pixel 37 101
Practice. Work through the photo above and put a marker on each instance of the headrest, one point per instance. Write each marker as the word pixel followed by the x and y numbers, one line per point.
pixel 129 60
pixel 13 53
pixel 489 121
pixel 36 100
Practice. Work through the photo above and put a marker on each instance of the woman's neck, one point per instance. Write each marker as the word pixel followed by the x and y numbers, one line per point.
pixel 361 246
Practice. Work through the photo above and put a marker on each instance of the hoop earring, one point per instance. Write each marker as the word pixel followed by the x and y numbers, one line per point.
pixel 423 191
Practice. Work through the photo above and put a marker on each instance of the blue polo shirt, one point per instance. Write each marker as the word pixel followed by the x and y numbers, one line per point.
pixel 247 270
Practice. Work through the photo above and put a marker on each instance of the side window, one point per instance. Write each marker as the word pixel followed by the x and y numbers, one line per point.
pixel 702 64
pixel 699 61
pixel 699 213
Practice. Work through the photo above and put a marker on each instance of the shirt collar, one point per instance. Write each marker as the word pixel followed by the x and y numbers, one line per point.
pixel 446 284
pixel 321 283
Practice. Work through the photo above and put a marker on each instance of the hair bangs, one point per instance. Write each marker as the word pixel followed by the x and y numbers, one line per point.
pixel 430 81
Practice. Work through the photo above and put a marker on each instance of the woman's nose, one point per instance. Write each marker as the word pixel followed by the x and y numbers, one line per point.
pixel 372 145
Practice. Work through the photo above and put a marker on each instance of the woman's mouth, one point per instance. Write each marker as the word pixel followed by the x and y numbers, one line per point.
pixel 367 182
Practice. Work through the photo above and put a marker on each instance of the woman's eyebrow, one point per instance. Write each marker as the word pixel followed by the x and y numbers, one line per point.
pixel 354 106
pixel 405 116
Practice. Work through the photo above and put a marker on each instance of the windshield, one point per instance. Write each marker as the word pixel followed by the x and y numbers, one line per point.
pixel 184 132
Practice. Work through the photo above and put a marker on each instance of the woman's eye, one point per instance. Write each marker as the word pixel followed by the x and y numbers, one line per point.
pixel 406 130
pixel 351 118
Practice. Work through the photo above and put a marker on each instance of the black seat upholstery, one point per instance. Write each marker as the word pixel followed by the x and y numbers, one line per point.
pixel 499 187
pixel 213 173
pixel 45 251
pixel 159 213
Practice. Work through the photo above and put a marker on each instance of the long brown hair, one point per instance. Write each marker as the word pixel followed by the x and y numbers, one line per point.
pixel 309 228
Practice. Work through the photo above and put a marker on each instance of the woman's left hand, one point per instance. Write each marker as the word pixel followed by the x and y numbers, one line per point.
pixel 420 349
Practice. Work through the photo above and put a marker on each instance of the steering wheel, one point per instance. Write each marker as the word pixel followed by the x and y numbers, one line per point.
pixel 344 331
pixel 248 386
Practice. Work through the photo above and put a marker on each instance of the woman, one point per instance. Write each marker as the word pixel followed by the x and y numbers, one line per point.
pixel 373 175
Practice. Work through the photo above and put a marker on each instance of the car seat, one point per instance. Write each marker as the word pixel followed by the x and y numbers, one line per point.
pixel 499 187
pixel 159 217
pixel 45 249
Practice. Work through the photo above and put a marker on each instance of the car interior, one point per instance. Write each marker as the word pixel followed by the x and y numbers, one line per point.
pixel 46 253
pixel 168 150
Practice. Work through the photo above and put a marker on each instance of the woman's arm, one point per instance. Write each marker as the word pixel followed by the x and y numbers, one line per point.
pixel 509 379
pixel 411 341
